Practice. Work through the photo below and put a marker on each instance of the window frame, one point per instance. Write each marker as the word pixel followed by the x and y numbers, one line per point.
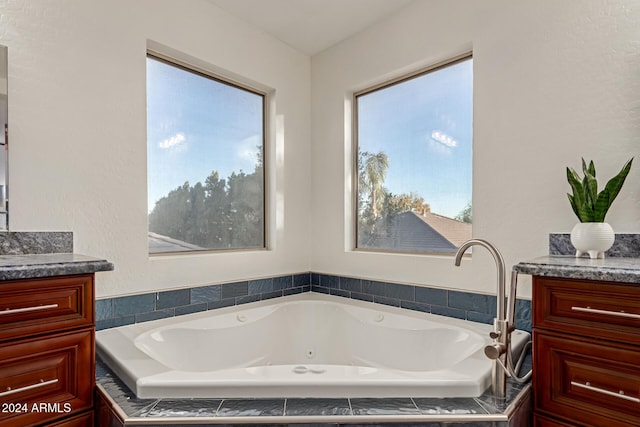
pixel 221 78
pixel 354 136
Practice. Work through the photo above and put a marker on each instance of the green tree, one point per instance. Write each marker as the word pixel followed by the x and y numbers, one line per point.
pixel 167 214
pixel 246 209
pixel 406 202
pixel 373 171
pixel 216 217
pixel 220 214
pixel 465 215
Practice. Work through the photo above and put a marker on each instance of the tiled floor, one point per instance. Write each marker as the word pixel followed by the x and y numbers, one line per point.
pixel 483 411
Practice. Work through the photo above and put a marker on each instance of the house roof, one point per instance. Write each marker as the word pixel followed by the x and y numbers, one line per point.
pixel 429 232
pixel 456 232
pixel 161 244
pixel 407 232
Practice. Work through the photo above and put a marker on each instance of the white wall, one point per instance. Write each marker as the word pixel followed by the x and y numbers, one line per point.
pixel 553 81
pixel 77 108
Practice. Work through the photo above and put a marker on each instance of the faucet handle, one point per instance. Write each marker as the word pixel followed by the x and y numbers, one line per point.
pixel 495 350
pixel 495 335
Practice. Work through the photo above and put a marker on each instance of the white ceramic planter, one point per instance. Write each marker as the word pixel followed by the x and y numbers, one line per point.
pixel 593 238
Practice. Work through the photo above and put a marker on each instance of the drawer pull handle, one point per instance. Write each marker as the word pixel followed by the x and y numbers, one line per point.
pixel 42 383
pixel 607 312
pixel 27 309
pixel 620 394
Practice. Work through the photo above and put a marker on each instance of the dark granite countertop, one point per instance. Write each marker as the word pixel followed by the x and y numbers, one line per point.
pixel 44 265
pixel 612 269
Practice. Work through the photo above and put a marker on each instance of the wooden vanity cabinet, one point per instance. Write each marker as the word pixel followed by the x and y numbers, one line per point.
pixel 47 351
pixel 586 353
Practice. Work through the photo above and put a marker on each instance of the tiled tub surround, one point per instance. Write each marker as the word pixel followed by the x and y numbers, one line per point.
pixel 462 305
pixel 483 411
pixel 119 311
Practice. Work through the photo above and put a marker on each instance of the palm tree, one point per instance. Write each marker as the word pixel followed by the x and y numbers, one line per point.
pixel 373 171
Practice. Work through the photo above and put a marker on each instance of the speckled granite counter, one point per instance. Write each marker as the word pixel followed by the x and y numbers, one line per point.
pixel 625 270
pixel 14 267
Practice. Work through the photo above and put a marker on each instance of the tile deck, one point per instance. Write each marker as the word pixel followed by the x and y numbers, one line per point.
pixel 483 411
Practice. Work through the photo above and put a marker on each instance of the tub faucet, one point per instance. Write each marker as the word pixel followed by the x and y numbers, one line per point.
pixel 497 351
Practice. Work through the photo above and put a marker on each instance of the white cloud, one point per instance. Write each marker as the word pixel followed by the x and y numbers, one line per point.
pixel 173 141
pixel 443 139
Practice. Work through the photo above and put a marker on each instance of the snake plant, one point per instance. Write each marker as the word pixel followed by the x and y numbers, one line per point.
pixel 587 203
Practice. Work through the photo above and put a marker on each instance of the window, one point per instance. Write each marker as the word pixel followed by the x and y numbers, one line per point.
pixel 205 152
pixel 414 156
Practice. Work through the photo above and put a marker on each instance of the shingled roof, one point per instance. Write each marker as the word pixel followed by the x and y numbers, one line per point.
pixel 428 232
pixel 159 244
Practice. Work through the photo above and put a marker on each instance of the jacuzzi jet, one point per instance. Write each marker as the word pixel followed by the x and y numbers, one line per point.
pixel 300 369
pixel 310 354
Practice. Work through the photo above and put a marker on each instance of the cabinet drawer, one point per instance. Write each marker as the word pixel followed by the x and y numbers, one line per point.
pixel 590 382
pixel 46 378
pixel 35 306
pixel 84 420
pixel 593 309
pixel 539 421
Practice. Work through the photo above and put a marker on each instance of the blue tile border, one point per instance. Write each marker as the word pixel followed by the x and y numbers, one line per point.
pixel 451 303
pixel 119 311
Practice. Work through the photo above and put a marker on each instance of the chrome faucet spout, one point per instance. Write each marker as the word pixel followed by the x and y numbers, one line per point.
pixel 501 309
pixel 500 350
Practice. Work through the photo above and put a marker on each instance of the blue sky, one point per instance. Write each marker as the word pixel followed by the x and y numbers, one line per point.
pixel 424 125
pixel 196 125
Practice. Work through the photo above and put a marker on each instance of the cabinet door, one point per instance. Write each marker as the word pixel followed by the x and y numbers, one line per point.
pixel 589 382
pixel 46 379
pixel 604 310
pixel 35 306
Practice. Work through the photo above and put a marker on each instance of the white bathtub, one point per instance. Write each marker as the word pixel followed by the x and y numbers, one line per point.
pixel 305 345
